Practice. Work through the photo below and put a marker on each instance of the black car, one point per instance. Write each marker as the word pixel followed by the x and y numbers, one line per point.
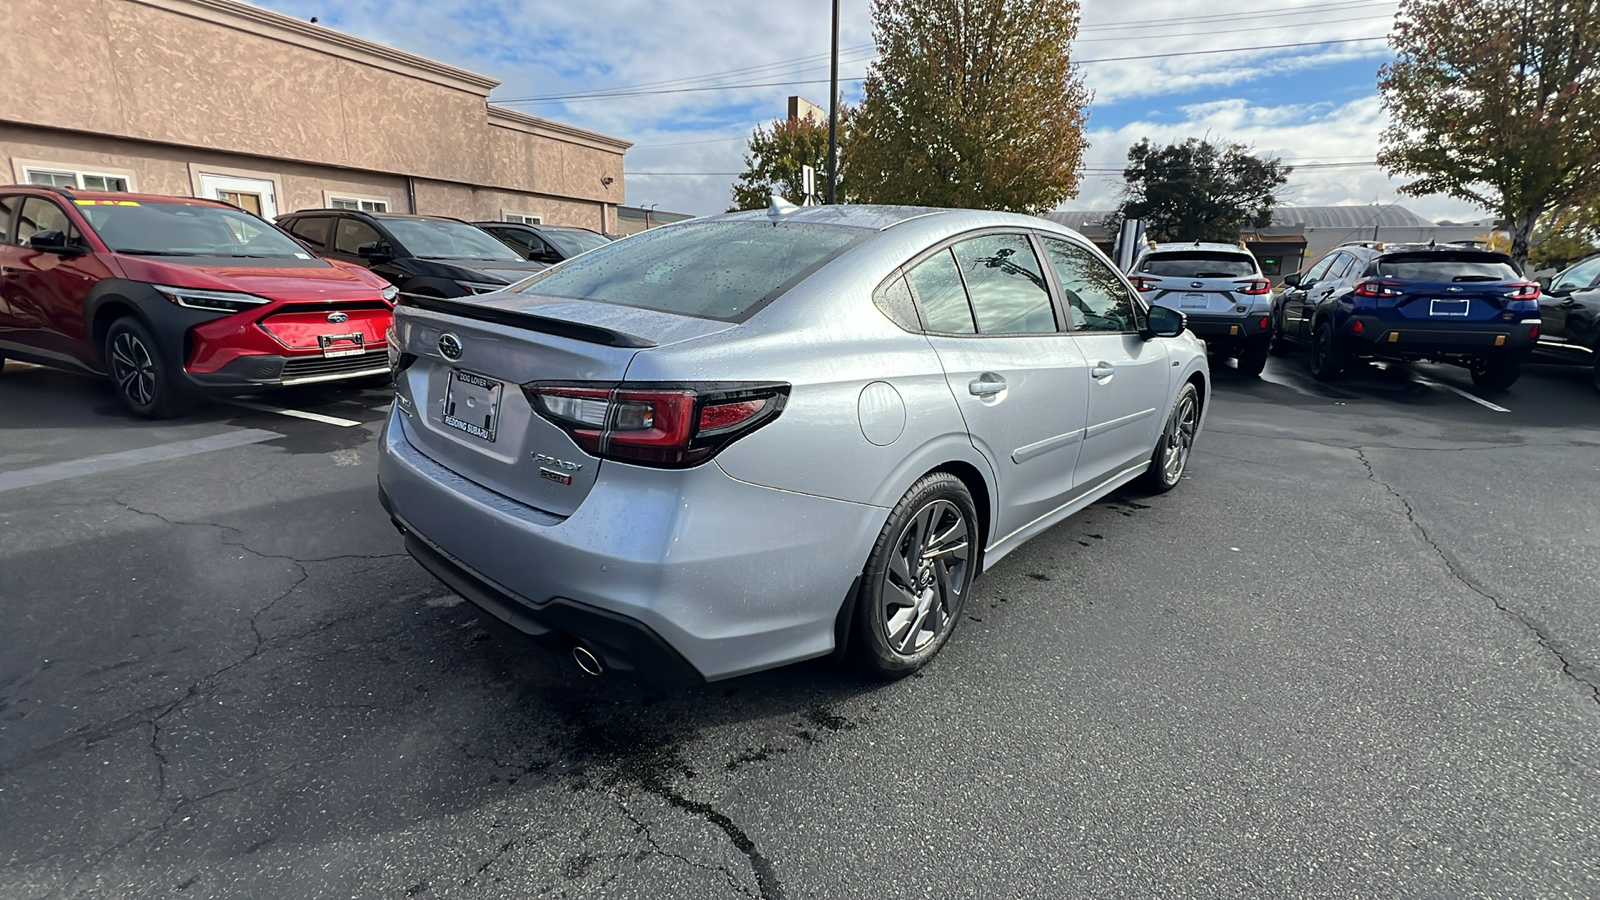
pixel 1570 308
pixel 1445 303
pixel 548 244
pixel 430 256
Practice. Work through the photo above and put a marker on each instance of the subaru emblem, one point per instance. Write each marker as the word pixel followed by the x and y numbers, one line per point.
pixel 338 318
pixel 450 346
pixel 1454 290
pixel 1197 284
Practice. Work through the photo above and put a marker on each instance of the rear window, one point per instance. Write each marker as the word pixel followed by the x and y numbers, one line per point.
pixel 1446 267
pixel 1199 264
pixel 715 270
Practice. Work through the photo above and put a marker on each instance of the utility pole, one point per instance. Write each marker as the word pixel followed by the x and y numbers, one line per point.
pixel 833 107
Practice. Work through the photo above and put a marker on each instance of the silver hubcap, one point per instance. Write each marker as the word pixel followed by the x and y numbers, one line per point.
pixel 133 368
pixel 1179 439
pixel 927 573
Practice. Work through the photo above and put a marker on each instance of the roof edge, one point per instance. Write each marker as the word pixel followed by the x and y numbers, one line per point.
pixel 521 121
pixel 275 25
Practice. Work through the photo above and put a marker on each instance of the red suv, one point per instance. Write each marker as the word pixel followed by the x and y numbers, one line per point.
pixel 174 298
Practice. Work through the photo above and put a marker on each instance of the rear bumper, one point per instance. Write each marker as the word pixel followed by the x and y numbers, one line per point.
pixel 1228 330
pixel 262 370
pixel 686 575
pixel 1513 339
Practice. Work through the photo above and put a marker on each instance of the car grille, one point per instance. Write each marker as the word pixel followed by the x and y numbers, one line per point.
pixel 316 366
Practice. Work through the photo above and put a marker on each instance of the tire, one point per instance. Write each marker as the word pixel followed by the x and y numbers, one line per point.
pixel 1496 376
pixel 1171 455
pixel 144 379
pixel 909 602
pixel 1279 345
pixel 1327 363
pixel 1253 358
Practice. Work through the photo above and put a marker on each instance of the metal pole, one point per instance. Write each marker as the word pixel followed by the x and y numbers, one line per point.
pixel 833 106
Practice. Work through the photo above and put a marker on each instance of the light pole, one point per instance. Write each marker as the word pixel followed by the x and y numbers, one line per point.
pixel 833 106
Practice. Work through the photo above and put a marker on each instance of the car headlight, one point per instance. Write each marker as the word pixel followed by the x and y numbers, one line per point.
pixel 391 292
pixel 480 287
pixel 215 301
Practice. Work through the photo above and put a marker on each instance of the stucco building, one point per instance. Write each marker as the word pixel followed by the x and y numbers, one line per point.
pixel 216 98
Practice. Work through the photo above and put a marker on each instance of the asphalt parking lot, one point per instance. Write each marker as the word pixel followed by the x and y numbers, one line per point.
pixel 1355 654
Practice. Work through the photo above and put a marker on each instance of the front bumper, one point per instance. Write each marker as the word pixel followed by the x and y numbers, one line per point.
pixel 263 370
pixel 1423 339
pixel 685 574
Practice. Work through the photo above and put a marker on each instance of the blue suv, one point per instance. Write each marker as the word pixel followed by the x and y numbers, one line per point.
pixel 1445 303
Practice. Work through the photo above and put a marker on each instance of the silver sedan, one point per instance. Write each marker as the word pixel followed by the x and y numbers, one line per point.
pixel 741 441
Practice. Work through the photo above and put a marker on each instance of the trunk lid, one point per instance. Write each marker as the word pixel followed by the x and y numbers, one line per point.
pixel 467 410
pixel 1449 301
pixel 1200 295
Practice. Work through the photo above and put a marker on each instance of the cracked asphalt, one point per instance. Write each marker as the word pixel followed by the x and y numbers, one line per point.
pixel 1356 653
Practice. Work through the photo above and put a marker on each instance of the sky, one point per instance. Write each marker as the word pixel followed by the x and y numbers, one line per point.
pixel 688 80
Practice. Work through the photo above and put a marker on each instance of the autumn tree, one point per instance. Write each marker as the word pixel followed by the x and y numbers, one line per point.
pixel 972 103
pixel 777 155
pixel 1496 102
pixel 1198 190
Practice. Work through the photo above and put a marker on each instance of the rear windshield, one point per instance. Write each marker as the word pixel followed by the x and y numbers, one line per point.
pixel 1446 267
pixel 1199 264
pixel 440 239
pixel 152 228
pixel 572 241
pixel 714 270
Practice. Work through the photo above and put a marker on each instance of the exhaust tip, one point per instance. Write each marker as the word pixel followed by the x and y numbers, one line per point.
pixel 587 661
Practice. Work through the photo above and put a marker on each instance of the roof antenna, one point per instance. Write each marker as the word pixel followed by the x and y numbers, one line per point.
pixel 779 207
pixel 1430 243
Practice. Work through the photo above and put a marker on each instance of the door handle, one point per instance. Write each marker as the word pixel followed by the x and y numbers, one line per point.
pixel 1565 304
pixel 986 384
pixel 1103 370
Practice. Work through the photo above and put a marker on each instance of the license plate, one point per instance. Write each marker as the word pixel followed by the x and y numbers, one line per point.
pixel 1448 307
pixel 1194 301
pixel 472 404
pixel 337 345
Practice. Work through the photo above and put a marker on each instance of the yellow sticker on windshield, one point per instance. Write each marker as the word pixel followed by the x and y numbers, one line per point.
pixel 106 202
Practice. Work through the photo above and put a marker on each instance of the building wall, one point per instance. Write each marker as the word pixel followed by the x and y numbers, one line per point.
pixel 160 86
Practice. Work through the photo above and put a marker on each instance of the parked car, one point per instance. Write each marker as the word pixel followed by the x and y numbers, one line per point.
pixel 1570 310
pixel 1445 303
pixel 1222 291
pixel 735 442
pixel 548 244
pixel 432 256
pixel 174 298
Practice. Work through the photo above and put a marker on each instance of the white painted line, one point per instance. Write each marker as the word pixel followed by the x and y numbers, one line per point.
pixel 1470 396
pixel 296 413
pixel 110 462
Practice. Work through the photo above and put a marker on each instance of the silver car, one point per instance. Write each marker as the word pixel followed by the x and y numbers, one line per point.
pixel 740 441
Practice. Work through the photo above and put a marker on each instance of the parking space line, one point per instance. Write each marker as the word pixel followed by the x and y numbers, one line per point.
pixel 110 462
pixel 1467 394
pixel 296 413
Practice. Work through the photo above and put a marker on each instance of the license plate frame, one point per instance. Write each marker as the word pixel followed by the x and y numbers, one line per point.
pixel 469 390
pixel 1194 301
pixel 331 344
pixel 1453 304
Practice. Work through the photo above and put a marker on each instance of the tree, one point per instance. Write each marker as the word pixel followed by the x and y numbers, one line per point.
pixel 1198 190
pixel 776 157
pixel 972 103
pixel 1496 102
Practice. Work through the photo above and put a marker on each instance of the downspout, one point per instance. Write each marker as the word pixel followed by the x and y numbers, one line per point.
pixel 411 194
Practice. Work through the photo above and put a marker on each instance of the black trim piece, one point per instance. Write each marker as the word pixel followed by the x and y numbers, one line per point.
pixel 623 643
pixel 590 334
pixel 844 620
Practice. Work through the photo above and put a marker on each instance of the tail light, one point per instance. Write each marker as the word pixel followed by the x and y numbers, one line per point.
pixel 1374 288
pixel 667 426
pixel 1255 286
pixel 398 361
pixel 1144 284
pixel 1523 290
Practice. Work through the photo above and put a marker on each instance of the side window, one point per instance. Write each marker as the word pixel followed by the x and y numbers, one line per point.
pixel 1006 285
pixel 941 295
pixel 893 299
pixel 8 208
pixel 1095 296
pixel 1318 269
pixel 516 239
pixel 313 230
pixel 1350 268
pixel 1577 278
pixel 351 234
pixel 39 214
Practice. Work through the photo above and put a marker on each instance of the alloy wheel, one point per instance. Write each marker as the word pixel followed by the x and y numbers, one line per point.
pixel 134 369
pixel 1180 438
pixel 926 575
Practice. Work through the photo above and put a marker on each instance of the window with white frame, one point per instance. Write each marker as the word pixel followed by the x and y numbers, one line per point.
pixel 69 178
pixel 361 204
pixel 523 219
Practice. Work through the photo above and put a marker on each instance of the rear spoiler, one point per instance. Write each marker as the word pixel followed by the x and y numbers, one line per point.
pixel 589 334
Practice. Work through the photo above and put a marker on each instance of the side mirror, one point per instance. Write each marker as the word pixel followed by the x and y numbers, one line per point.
pixel 1544 283
pixel 375 251
pixel 55 241
pixel 1164 322
pixel 1292 279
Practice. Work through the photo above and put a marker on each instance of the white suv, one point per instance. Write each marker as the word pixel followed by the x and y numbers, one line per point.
pixel 1222 291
